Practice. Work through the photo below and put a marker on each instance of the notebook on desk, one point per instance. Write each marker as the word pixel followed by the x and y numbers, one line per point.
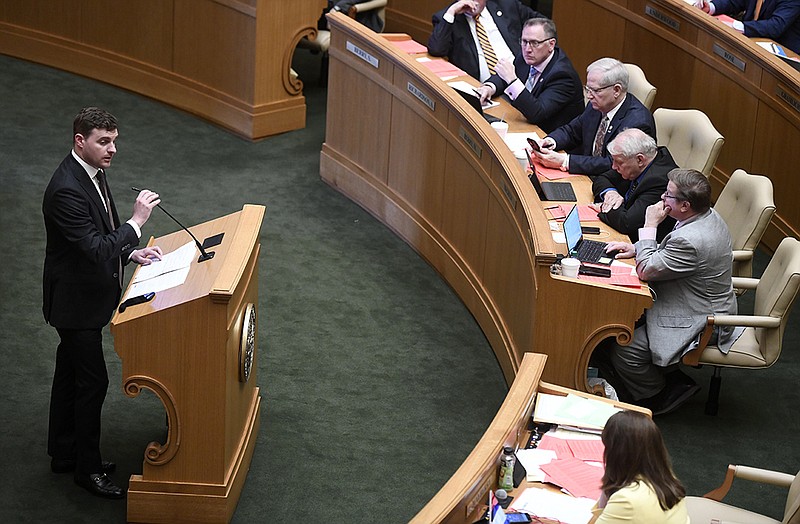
pixel 579 247
pixel 549 191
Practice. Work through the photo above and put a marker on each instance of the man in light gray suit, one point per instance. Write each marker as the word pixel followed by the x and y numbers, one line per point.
pixel 689 273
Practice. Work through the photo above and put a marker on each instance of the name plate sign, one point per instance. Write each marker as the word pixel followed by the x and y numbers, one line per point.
pixel 729 57
pixel 363 55
pixel 467 138
pixel 512 199
pixel 665 19
pixel 422 97
pixel 787 97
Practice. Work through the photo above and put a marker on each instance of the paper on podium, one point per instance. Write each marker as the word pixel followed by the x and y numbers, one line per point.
pixel 572 410
pixel 467 88
pixel 586 212
pixel 409 46
pixel 171 271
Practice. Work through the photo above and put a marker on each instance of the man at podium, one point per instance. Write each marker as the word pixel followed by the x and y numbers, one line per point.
pixel 87 248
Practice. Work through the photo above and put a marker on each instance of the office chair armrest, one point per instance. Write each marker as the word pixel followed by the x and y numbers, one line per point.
pixel 742 254
pixel 745 282
pixel 692 358
pixel 366 6
pixel 757 321
pixel 764 476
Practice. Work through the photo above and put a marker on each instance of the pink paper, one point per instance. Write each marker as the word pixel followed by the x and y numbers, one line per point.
pixel 725 19
pixel 590 449
pixel 576 476
pixel 585 212
pixel 443 68
pixel 409 46
pixel 558 445
pixel 551 173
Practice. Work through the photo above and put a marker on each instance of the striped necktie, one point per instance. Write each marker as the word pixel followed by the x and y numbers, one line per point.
pixel 486 46
pixel 532 76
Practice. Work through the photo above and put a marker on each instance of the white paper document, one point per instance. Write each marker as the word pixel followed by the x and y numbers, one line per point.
pixel 171 271
pixel 466 87
pixel 178 259
pixel 531 459
pixel 572 410
pixel 545 503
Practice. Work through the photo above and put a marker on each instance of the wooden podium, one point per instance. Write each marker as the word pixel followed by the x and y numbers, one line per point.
pixel 194 346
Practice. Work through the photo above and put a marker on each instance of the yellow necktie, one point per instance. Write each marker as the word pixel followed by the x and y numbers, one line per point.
pixel 757 12
pixel 486 46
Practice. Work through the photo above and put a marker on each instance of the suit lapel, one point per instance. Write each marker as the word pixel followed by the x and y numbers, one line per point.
pixel 612 126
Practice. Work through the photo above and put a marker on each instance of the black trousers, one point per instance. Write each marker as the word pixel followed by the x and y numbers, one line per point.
pixel 80 384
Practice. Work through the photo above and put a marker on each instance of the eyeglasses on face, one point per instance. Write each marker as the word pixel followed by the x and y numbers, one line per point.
pixel 595 90
pixel 536 44
pixel 665 196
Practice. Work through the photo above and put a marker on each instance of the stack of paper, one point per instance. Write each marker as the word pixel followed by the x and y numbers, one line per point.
pixel 572 410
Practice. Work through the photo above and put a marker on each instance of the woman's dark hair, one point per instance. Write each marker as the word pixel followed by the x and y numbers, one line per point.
pixel 634 449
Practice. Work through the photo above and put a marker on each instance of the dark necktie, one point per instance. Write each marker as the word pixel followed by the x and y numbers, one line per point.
pixel 597 150
pixel 532 76
pixel 101 181
pixel 631 189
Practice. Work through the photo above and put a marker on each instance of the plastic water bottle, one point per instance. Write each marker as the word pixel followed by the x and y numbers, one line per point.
pixel 507 460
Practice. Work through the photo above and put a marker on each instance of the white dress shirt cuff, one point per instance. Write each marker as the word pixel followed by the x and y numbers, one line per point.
pixel 515 89
pixel 447 17
pixel 136 228
pixel 738 26
pixel 647 233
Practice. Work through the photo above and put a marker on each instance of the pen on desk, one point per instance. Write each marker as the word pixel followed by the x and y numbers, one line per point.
pixel 552 207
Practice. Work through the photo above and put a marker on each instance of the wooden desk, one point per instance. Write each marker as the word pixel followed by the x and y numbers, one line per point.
pixel 227 61
pixel 408 148
pixel 463 498
pixel 695 61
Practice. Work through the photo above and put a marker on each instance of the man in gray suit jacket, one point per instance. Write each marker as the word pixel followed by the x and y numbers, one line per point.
pixel 689 272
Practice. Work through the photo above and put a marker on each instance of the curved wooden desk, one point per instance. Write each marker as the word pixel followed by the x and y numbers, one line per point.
pixel 463 498
pixel 406 147
pixel 695 61
pixel 227 61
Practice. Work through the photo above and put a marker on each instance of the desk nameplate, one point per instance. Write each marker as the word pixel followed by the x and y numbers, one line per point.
pixel 363 55
pixel 665 19
pixel 468 139
pixel 729 57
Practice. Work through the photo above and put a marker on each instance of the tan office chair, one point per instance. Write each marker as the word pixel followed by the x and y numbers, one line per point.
pixel 710 508
pixel 323 40
pixel 760 345
pixel 747 206
pixel 639 86
pixel 690 137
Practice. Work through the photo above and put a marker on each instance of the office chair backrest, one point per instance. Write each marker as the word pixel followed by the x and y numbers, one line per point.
pixel 639 86
pixel 775 294
pixel 690 136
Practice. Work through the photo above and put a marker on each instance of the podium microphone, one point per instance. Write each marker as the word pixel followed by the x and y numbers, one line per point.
pixel 203 254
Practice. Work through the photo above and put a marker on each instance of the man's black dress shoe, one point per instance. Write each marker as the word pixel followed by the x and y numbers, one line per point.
pixel 100 485
pixel 68 466
pixel 673 396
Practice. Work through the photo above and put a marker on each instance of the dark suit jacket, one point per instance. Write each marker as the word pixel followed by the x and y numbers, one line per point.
pixel 778 20
pixel 455 40
pixel 557 96
pixel 81 265
pixel 577 137
pixel 629 217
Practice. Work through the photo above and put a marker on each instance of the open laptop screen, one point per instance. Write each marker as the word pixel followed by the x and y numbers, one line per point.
pixel 572 230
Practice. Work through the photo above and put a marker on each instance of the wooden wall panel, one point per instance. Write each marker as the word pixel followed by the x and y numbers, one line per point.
pixel 149 39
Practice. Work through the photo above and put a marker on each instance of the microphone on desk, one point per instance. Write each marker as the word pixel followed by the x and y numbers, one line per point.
pixel 502 498
pixel 203 254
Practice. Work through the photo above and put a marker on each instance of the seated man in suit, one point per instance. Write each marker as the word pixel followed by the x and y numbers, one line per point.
pixel 778 20
pixel 637 179
pixel 475 34
pixel 541 82
pixel 610 110
pixel 689 273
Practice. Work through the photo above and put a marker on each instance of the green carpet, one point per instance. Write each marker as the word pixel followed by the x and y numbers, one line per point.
pixel 376 381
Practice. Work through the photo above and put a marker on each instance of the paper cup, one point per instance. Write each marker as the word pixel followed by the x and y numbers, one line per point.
pixel 501 128
pixel 570 266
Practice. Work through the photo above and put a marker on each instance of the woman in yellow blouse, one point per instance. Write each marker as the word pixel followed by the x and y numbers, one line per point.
pixel 638 484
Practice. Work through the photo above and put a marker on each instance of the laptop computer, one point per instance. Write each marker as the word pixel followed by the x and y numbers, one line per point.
pixel 579 247
pixel 550 191
pixel 475 102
